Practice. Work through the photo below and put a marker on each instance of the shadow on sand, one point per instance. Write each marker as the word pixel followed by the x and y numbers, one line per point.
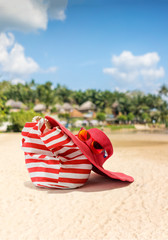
pixel 96 183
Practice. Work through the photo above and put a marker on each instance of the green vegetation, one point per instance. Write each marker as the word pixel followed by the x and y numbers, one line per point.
pixel 4 111
pixel 18 119
pixel 120 126
pixel 127 108
pixel 65 116
pixel 76 129
pixel 101 116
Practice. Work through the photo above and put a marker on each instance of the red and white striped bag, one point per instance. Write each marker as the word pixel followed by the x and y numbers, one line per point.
pixel 52 158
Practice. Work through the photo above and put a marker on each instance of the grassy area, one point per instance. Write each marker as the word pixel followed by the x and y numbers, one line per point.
pixel 76 129
pixel 112 127
pixel 118 127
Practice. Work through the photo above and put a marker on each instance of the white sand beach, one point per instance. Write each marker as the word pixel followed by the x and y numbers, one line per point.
pixel 103 209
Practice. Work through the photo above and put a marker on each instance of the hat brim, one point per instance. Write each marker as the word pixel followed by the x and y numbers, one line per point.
pixel 90 156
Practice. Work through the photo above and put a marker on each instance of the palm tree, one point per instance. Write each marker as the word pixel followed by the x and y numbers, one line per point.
pixel 163 90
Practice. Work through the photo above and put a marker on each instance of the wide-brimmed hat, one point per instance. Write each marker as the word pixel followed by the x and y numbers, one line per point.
pixel 97 160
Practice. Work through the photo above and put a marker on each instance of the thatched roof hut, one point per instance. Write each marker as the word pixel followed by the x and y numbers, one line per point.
pixel 15 105
pixel 76 114
pixel 40 108
pixel 67 107
pixel 87 106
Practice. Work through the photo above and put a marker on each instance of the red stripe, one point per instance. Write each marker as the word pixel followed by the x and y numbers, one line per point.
pixel 42 156
pixel 74 170
pixel 35 127
pixel 44 161
pixel 43 169
pixel 60 143
pixel 69 151
pixel 42 128
pixel 72 180
pixel 53 138
pixel 33 135
pixel 36 146
pixel 55 186
pixel 44 179
pixel 60 147
pixel 50 131
pixel 58 186
pixel 30 154
pixel 70 146
pixel 30 124
pixel 24 133
pixel 76 162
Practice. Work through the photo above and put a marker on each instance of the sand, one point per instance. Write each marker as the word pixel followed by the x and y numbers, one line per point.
pixel 101 210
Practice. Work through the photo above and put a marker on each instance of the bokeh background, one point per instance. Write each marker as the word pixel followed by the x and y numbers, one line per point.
pixel 61 54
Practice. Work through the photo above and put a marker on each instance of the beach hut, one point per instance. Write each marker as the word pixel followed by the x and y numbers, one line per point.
pixel 67 107
pixel 90 115
pixel 76 114
pixel 40 107
pixel 110 118
pixel 15 105
pixel 87 106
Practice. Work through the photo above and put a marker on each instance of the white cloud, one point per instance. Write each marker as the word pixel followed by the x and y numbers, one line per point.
pixel 153 73
pixel 50 70
pixel 13 62
pixel 30 15
pixel 127 60
pixel 140 70
pixel 17 80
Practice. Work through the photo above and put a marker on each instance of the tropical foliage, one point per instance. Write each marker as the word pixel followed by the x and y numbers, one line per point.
pixel 132 106
pixel 18 119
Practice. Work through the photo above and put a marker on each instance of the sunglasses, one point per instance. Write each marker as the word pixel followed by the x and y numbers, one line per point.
pixel 96 147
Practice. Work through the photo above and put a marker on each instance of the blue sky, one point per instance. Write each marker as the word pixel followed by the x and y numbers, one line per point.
pixel 100 44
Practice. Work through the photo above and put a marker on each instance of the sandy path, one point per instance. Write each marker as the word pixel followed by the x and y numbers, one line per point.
pixel 102 209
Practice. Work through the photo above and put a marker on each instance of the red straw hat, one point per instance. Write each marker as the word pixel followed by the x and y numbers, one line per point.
pixel 97 160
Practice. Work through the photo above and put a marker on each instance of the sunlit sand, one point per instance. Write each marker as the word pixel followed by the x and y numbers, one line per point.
pixel 103 209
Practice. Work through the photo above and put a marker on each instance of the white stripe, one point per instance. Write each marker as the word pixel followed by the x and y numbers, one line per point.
pixel 74 154
pixel 43 183
pixel 52 134
pixel 70 185
pixel 40 123
pixel 55 186
pixel 71 143
pixel 73 175
pixel 44 174
pixel 41 164
pixel 64 159
pixel 61 139
pixel 77 166
pixel 35 150
pixel 49 184
pixel 64 149
pixel 33 131
pixel 26 129
pixel 80 157
pixel 34 140
pixel 37 157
